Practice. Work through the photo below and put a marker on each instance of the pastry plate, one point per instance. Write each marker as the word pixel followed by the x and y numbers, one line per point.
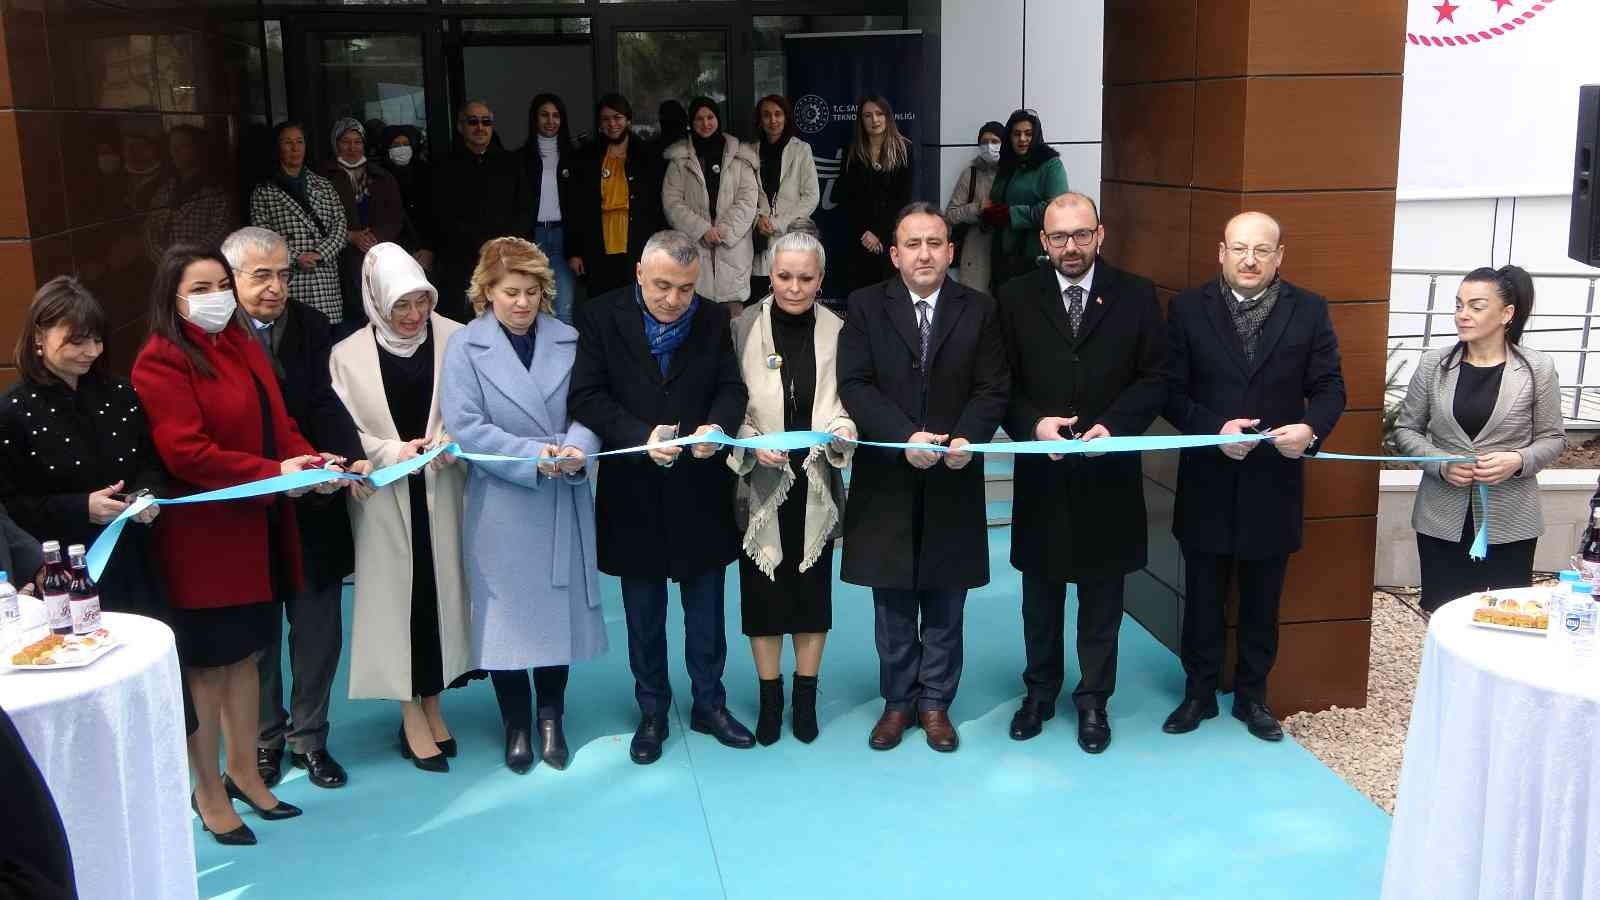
pixel 75 652
pixel 1496 626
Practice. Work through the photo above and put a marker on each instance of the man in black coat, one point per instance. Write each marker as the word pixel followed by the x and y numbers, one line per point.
pixel 1086 343
pixel 656 360
pixel 1247 352
pixel 297 340
pixel 616 152
pixel 921 360
pixel 481 192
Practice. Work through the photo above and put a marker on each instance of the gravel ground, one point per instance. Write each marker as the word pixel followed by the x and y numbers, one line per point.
pixel 1364 746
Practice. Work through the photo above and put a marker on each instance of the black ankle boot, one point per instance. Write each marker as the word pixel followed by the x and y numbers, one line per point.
pixel 769 724
pixel 805 707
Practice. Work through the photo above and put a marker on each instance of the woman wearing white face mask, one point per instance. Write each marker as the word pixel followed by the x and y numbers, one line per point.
pixel 408 162
pixel 372 208
pixel 967 201
pixel 217 419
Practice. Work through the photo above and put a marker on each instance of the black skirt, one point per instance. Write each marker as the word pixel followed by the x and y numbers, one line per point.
pixel 794 602
pixel 224 635
pixel 1447 572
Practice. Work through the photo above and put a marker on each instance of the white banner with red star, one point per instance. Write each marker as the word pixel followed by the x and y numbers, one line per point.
pixel 1491 95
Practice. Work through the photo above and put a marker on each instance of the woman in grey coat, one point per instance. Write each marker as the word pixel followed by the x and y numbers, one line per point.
pixel 969 199
pixel 528 526
pixel 1492 399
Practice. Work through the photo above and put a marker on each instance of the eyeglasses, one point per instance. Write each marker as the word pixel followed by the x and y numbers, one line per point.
pixel 262 276
pixel 475 121
pixel 407 307
pixel 1240 252
pixel 1083 237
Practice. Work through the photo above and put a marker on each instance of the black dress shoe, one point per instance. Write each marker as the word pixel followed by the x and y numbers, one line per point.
pixel 721 725
pixel 1188 715
pixel 1030 718
pixel 281 811
pixel 519 750
pixel 553 744
pixel 321 768
pixel 434 763
pixel 1094 730
pixel 1260 720
pixel 447 747
pixel 239 837
pixel 647 740
pixel 269 762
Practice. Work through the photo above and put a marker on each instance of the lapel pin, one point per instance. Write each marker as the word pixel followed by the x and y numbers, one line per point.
pixel 774 361
pixel 1099 300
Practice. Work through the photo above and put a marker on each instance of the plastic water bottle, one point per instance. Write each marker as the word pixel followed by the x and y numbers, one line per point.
pixel 1578 621
pixel 10 613
pixel 1560 598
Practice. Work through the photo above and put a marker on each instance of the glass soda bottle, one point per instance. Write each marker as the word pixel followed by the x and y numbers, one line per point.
pixel 1589 552
pixel 83 594
pixel 57 602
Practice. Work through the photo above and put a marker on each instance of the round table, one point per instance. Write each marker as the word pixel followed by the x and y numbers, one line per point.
pixel 109 739
pixel 1500 788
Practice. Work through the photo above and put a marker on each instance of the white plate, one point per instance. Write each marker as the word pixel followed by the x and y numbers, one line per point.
pixel 77 658
pixel 1496 626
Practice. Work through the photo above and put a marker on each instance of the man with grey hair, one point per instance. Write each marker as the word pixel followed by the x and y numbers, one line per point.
pixel 297 341
pixel 656 360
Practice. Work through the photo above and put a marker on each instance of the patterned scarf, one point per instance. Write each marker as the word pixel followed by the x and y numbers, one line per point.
pixel 665 337
pixel 1249 316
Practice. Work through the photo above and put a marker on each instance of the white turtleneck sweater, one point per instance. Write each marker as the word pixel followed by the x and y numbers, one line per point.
pixel 549 195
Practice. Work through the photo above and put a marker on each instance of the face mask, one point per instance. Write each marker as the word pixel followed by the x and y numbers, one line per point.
pixel 353 165
pixel 989 153
pixel 401 155
pixel 211 312
pixel 109 163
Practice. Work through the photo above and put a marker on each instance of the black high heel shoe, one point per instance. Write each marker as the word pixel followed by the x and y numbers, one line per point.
pixel 281 811
pixel 434 763
pixel 239 837
pixel 447 747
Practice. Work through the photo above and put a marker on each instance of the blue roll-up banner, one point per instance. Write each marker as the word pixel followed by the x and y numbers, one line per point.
pixel 826 74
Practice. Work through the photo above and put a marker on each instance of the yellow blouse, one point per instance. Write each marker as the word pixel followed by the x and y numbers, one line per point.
pixel 614 203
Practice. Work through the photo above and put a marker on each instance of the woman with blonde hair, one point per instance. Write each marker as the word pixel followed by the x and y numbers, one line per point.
pixel 789 503
pixel 875 184
pixel 531 574
pixel 408 636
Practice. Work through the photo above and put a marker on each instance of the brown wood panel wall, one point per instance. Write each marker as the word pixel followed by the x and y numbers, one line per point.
pixel 1292 109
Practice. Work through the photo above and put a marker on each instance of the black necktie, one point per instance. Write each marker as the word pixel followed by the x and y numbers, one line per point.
pixel 1075 307
pixel 924 328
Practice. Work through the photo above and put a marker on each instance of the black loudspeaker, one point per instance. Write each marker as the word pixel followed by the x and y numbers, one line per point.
pixel 1583 235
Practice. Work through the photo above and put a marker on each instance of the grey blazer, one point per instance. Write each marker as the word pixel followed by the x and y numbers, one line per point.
pixel 1526 419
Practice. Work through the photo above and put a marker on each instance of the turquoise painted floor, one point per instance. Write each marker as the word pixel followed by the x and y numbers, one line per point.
pixel 1213 814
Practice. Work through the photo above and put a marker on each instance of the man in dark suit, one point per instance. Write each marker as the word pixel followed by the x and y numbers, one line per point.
pixel 1247 352
pixel 1086 343
pixel 921 360
pixel 297 340
pixel 481 192
pixel 656 360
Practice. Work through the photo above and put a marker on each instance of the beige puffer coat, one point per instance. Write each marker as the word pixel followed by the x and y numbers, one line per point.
pixel 724 268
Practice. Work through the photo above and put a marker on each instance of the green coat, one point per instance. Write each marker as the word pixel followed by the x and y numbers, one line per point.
pixel 1026 190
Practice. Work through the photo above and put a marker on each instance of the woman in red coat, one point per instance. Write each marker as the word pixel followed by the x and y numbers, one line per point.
pixel 217 419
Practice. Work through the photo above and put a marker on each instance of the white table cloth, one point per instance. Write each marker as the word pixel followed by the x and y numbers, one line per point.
pixel 109 739
pixel 1500 787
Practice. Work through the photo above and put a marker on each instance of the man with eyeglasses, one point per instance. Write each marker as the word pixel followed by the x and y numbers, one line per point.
pixel 1248 352
pixel 297 340
pixel 481 192
pixel 1086 343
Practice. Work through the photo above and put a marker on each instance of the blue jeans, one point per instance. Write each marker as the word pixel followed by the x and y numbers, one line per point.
pixel 552 240
pixel 705 640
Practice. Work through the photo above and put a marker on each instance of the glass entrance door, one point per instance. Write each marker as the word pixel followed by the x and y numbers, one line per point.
pixel 652 56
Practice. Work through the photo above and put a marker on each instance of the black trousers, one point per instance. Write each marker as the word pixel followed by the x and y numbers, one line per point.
pixel 705 640
pixel 316 640
pixel 515 694
pixel 1205 581
pixel 919 665
pixel 1448 573
pixel 1044 624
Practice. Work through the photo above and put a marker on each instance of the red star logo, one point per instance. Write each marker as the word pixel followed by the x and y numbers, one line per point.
pixel 1501 4
pixel 1446 11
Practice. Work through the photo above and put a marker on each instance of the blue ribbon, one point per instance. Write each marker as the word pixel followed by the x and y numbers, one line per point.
pixel 100 552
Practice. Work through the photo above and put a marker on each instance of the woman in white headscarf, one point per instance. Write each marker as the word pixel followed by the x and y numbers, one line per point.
pixel 408 637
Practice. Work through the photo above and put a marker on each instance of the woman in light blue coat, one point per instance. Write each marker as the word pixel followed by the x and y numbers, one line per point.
pixel 528 526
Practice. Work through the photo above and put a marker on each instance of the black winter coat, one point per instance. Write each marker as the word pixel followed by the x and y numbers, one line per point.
pixel 308 396
pixel 655 522
pixel 1251 509
pixel 1081 516
pixel 872 198
pixel 643 170
pixel 883 387
pixel 475 199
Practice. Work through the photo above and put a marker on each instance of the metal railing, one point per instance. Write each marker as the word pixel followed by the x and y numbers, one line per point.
pixel 1586 329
